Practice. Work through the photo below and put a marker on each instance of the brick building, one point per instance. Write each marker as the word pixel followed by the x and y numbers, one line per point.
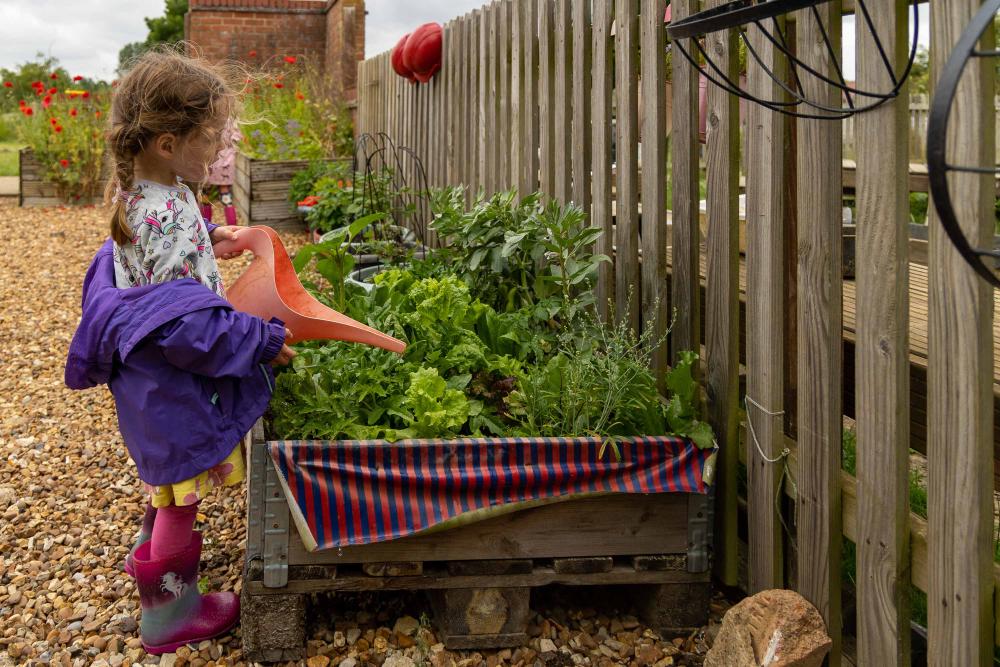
pixel 328 32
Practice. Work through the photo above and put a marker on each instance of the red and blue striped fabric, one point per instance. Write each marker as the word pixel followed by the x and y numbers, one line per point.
pixel 362 492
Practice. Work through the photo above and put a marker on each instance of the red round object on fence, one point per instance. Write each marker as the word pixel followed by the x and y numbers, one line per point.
pixel 397 59
pixel 422 54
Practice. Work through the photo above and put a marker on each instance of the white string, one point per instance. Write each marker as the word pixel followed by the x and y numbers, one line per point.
pixel 753 434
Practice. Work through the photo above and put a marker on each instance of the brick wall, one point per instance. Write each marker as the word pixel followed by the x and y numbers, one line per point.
pixel 318 31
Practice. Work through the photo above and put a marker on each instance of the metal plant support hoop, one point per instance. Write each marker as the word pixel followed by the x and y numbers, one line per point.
pixel 937 142
pixel 740 13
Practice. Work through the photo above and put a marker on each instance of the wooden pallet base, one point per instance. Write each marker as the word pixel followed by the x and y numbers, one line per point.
pixel 476 604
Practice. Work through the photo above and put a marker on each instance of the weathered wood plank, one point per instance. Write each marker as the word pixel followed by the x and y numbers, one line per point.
pixel 820 309
pixel 516 95
pixel 628 286
pixel 563 97
pixel 722 295
pixel 624 525
pixel 655 300
pixel 529 120
pixel 882 348
pixel 601 91
pixel 475 112
pixel 684 286
pixel 484 98
pixel 546 94
pixel 765 315
pixel 503 96
pixel 959 399
pixel 582 67
pixel 492 103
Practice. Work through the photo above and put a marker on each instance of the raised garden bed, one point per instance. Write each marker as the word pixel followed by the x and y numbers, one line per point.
pixel 478 575
pixel 260 192
pixel 34 190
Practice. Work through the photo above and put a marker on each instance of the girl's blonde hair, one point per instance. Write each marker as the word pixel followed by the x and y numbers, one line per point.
pixel 164 92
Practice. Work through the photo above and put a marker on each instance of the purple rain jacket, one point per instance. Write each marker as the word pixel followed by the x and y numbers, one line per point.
pixel 189 374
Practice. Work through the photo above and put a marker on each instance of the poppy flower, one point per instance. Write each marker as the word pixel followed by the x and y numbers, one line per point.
pixel 86 94
pixel 58 128
pixel 72 112
pixel 290 60
pixel 53 76
pixel 64 162
pixel 37 84
pixel 279 85
pixel 53 122
pixel 28 111
pixel 8 84
pixel 253 53
pixel 97 114
pixel 21 103
pixel 53 91
pixel 47 101
pixel 299 96
pixel 78 78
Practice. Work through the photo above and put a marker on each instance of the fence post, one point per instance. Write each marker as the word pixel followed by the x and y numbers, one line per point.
pixel 528 176
pixel 685 279
pixel 959 397
pixel 582 68
pixel 882 350
pixel 820 330
pixel 765 320
pixel 601 90
pixel 628 290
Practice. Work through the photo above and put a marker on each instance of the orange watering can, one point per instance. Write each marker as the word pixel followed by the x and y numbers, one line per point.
pixel 270 288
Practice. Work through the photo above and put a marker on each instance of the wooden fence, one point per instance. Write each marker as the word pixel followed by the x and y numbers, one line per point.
pixel 919 113
pixel 536 93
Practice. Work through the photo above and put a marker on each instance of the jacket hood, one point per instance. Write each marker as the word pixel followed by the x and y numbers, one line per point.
pixel 114 320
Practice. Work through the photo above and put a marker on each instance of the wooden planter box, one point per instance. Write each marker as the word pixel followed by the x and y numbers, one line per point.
pixel 35 191
pixel 260 192
pixel 478 576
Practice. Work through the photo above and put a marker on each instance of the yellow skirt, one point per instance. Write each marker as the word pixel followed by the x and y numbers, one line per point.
pixel 231 471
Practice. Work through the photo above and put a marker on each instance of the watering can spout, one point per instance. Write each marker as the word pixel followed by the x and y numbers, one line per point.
pixel 271 288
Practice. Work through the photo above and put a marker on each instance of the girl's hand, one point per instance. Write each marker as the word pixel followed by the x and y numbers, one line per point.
pixel 285 354
pixel 225 233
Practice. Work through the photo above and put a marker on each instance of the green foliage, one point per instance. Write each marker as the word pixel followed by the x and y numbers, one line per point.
pixel 66 133
pixel 334 262
pixel 919 79
pixel 304 182
pixel 290 115
pixel 520 254
pixel 39 71
pixel 341 200
pixel 166 29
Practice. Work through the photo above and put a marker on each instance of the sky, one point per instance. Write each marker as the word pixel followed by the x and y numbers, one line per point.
pixel 86 36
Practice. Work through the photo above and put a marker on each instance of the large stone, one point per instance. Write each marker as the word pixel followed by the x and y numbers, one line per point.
pixel 776 628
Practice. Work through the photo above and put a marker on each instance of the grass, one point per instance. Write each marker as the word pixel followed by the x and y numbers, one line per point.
pixel 8 158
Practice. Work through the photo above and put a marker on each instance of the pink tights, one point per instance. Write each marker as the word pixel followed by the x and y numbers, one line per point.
pixel 172 530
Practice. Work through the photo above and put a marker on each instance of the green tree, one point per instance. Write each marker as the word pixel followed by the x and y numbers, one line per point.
pixel 166 29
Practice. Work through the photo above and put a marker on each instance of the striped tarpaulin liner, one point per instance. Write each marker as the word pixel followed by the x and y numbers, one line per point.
pixel 360 492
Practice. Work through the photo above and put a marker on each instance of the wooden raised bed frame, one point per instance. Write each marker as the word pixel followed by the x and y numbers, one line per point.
pixel 478 576
pixel 260 192
pixel 34 190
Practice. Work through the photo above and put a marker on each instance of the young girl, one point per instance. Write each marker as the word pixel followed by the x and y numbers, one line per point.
pixel 189 374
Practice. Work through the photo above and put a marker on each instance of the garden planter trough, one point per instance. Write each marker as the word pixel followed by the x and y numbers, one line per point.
pixel 478 571
pixel 34 190
pixel 260 192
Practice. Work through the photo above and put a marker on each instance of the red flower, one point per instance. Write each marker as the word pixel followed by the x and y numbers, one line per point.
pixel 97 113
pixel 290 60
pixel 47 101
pixel 279 85
pixel 21 103
pixel 28 111
pixel 58 128
pixel 72 112
pixel 53 91
pixel 299 96
pixel 78 78
pixel 64 162
pixel 8 84
pixel 53 122
pixel 37 84
pixel 253 53
pixel 86 94
pixel 53 76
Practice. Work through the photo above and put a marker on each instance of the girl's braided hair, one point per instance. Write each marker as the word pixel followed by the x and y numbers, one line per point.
pixel 163 92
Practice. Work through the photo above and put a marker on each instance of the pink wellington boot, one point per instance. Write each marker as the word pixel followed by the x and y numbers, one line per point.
pixel 206 211
pixel 230 212
pixel 174 613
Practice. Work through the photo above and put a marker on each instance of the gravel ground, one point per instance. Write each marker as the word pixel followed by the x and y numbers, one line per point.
pixel 70 504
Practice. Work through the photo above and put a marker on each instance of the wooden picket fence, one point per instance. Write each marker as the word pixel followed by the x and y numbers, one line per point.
pixel 545 94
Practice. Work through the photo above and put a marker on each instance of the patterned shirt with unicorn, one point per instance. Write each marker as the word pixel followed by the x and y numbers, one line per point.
pixel 170 242
pixel 169 239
